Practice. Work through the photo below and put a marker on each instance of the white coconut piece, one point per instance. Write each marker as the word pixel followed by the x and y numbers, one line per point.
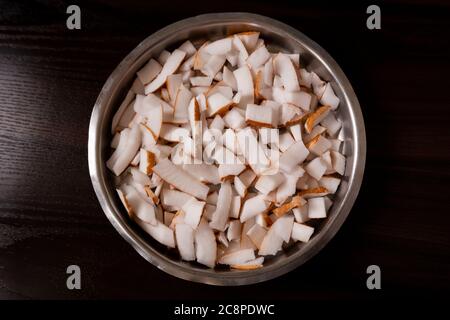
pixel 316 208
pixel 250 265
pixel 193 210
pixel 160 232
pixel 249 39
pixel 253 206
pixel 140 177
pixel 239 46
pixel 283 227
pixel 205 245
pixel 296 131
pixel 218 104
pixel 217 123
pixel 269 136
pixel 293 156
pixel 284 67
pixel 180 179
pixel 219 47
pixel 213 65
pixel 171 65
pixel 139 207
pixel 239 187
pixel 259 116
pixel 125 153
pixel 181 104
pixel 289 114
pixel 163 56
pixel 221 88
pixel 173 83
pixel 188 64
pixel 305 78
pixel 338 161
pixel 201 81
pixel 252 150
pixel 245 242
pixel 135 161
pixel 329 97
pixel 204 172
pixel 234 230
pixel 301 232
pixel 268 73
pixel 235 208
pixel 316 168
pixel 238 257
pixel 149 72
pixel 318 145
pixel 336 144
pixel 184 235
pixel 115 140
pixel 221 214
pixel 188 47
pixel 330 183
pixel 301 99
pixel 125 105
pixel 173 133
pixel 229 79
pixel 285 141
pixel 331 124
pixel 318 85
pixel 271 244
pixel 289 185
pixel 174 199
pixel 244 82
pixel 266 184
pixel 234 119
pixel 258 57
pixel 301 213
pixel 229 140
pixel 326 158
pixel 256 234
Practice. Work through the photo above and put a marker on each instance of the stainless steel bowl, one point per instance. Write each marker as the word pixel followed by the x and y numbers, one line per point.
pixel 278 36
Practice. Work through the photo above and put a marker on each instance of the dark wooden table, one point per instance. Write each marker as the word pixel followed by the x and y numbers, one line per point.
pixel 50 218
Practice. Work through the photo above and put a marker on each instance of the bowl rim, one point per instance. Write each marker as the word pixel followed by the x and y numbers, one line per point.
pixel 96 168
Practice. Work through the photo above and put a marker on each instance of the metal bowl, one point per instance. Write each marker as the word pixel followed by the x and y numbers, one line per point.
pixel 278 36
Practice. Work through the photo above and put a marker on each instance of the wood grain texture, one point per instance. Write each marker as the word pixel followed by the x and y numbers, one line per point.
pixel 50 218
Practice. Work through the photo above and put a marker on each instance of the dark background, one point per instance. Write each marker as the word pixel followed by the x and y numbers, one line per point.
pixel 50 218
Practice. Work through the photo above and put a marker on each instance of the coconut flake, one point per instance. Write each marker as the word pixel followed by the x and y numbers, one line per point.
pixel 301 232
pixel 284 67
pixel 238 257
pixel 184 235
pixel 244 82
pixel 181 179
pixel 149 72
pixel 170 66
pixel 259 116
pixel 252 207
pixel 316 208
pixel 221 214
pixel 205 245
pixel 125 153
pixel 193 210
